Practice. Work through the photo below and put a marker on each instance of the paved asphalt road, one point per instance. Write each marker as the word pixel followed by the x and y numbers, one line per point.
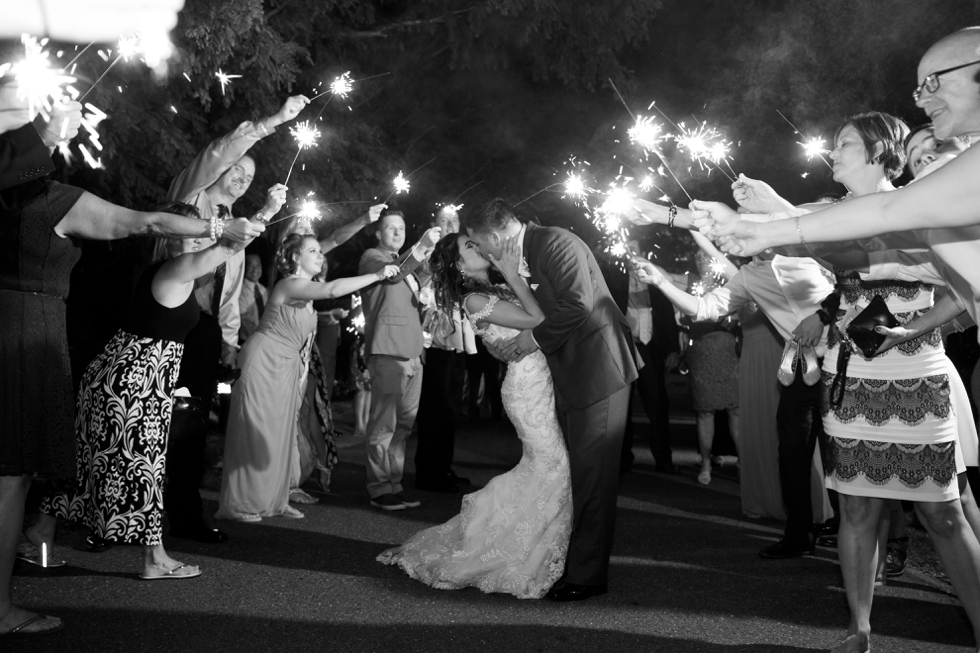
pixel 685 578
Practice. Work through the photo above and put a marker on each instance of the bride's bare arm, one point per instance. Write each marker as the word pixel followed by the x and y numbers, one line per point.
pixel 504 313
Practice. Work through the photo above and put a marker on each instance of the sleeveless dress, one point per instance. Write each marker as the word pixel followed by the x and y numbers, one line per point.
pixel 122 420
pixel 263 420
pixel 511 536
pixel 893 434
pixel 37 397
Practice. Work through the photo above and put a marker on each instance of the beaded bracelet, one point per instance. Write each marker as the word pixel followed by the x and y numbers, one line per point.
pixel 219 228
pixel 671 214
pixel 799 231
pixel 214 227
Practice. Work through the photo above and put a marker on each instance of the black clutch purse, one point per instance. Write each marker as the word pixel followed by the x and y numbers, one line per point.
pixel 861 330
pixel 188 418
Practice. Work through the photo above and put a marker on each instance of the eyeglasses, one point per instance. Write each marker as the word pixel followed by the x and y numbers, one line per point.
pixel 931 82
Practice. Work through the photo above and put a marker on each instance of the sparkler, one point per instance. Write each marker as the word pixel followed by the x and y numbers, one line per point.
pixel 308 214
pixel 128 46
pixel 224 79
pixel 812 147
pixel 341 86
pixel 701 145
pixel 646 133
pixel 401 184
pixel 37 81
pixel 654 150
pixel 306 136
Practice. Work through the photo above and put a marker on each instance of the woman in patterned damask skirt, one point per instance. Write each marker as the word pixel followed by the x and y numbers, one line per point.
pixel 511 536
pixel 124 409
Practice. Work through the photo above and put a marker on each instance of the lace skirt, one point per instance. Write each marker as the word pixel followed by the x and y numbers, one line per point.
pixel 893 434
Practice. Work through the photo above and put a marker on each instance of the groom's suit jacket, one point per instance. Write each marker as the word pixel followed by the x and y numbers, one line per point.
pixel 585 337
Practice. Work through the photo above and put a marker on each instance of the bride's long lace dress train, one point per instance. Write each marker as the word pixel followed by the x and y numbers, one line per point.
pixel 512 535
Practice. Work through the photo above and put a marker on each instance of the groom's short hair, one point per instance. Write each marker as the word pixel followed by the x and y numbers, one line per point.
pixel 492 216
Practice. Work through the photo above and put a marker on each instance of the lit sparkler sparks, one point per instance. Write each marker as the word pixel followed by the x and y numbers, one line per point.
pixel 224 79
pixel 309 213
pixel 37 81
pixel 401 184
pixel 342 85
pixel 306 135
pixel 717 267
pixel 811 147
pixel 646 133
pixel 698 289
pixel 814 147
pixel 129 46
pixel 575 187
pixel 646 184
pixel 618 201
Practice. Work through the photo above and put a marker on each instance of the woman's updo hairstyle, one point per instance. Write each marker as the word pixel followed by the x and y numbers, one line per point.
pixel 875 127
pixel 288 249
pixel 163 248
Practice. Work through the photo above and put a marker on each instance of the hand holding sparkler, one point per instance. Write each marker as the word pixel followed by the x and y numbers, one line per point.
pixel 757 196
pixel 62 125
pixel 374 213
pixel 241 230
pixel 648 273
pixel 289 110
pixel 387 272
pixel 431 237
pixel 714 219
pixel 275 197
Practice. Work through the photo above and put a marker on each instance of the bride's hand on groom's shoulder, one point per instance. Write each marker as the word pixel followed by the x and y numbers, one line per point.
pixel 510 259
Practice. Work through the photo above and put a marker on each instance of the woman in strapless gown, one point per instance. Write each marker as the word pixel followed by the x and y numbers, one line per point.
pixel 263 420
pixel 512 535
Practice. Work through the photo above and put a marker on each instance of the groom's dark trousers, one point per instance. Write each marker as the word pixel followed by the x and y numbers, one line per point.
pixel 589 347
pixel 594 436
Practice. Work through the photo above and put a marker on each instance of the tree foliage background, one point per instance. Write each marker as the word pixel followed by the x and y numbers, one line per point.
pixel 493 96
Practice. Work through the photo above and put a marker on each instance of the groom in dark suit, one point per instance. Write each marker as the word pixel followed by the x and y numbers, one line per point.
pixel 587 342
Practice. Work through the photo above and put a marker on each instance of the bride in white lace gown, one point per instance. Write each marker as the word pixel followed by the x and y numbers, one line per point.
pixel 512 535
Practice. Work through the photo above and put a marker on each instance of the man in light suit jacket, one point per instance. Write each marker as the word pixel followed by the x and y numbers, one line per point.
pixel 393 343
pixel 587 342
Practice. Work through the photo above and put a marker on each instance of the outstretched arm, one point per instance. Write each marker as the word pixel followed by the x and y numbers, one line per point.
pixel 306 290
pixel 174 281
pixel 221 153
pixel 947 198
pixel 345 233
pixel 95 219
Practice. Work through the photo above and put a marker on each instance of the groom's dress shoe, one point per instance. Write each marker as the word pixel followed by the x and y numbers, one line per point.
pixel 572 592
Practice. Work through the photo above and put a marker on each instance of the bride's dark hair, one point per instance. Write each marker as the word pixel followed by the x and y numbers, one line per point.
pixel 449 284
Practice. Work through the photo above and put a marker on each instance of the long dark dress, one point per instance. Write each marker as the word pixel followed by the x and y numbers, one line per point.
pixel 123 417
pixel 36 394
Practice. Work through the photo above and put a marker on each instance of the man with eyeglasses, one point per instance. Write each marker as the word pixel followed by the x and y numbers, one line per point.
pixel 949 84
